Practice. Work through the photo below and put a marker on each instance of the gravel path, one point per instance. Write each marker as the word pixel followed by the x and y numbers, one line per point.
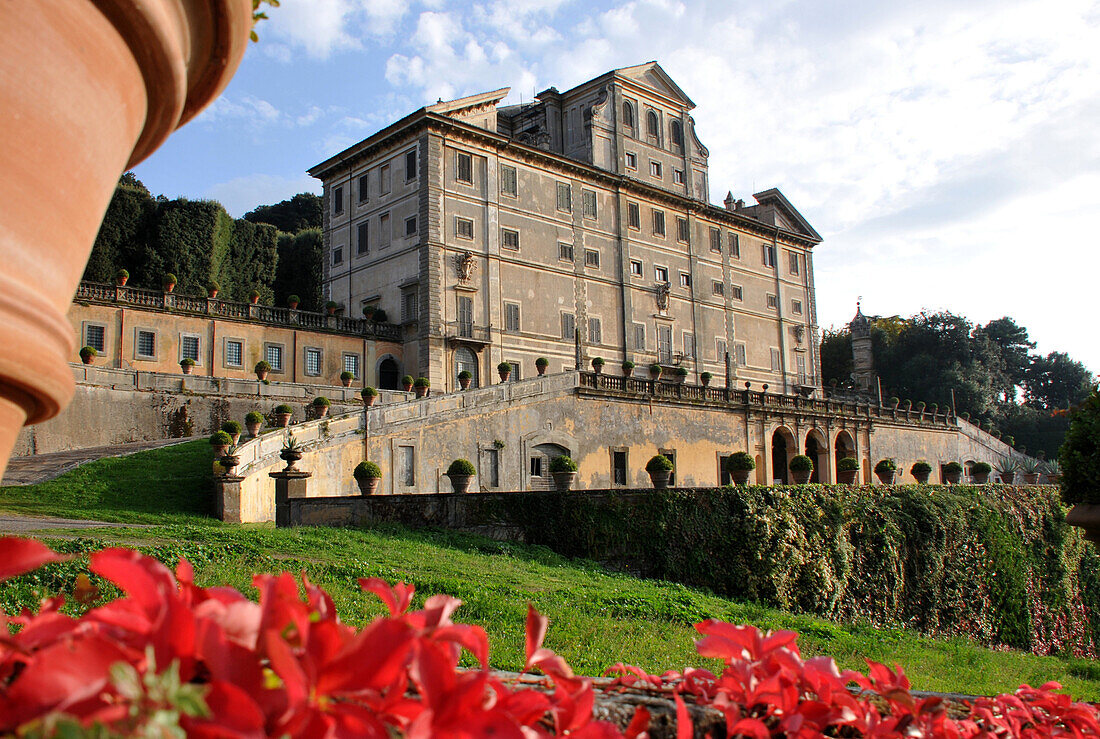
pixel 42 467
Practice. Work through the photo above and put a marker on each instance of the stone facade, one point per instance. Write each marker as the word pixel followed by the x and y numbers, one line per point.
pixel 572 227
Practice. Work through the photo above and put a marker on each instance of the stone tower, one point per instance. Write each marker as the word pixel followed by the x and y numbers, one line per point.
pixel 863 359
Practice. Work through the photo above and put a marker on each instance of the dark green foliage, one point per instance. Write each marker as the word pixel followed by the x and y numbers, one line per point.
pixel 187 362
pixel 368 392
pixel 321 402
pixel 422 382
pixel 465 375
pixel 1056 381
pixel 232 427
pixel 366 470
pixel 952 467
pixel 300 269
pixel 836 356
pixel 848 464
pixel 544 362
pixel 406 380
pixel 563 463
pixel 220 438
pixel 346 375
pixel 658 463
pixel 1080 454
pixel 461 467
pixel 254 417
pixel 886 465
pixel 801 463
pixel 981 468
pixel 125 229
pixel 920 468
pixel 740 461
pixel 283 408
pixel 87 352
pixel 262 366
pixel 598 362
pixel 301 212
pixel 504 367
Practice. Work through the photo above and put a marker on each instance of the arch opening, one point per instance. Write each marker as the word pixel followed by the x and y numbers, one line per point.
pixel 783 448
pixel 389 374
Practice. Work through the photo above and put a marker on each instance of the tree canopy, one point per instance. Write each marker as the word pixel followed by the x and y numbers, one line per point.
pixel 301 212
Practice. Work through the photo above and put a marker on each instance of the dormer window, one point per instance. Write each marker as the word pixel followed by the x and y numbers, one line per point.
pixel 676 133
pixel 652 125
pixel 628 116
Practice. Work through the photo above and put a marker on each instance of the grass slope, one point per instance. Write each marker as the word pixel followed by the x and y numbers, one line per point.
pixel 597 618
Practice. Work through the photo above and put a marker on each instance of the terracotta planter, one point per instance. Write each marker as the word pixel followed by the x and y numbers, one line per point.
pixel 213 294
pixel 292 306
pixel 847 477
pixel 253 429
pixel 254 300
pixel 88 90
pixel 952 478
pixel 464 382
pixel 886 478
pixel 460 483
pixel 368 485
pixel 347 382
pixel 597 368
pixel 654 375
pixel 740 477
pixel 1007 477
pixel 1030 478
pixel 330 311
pixel 504 375
pixel 219 450
pixel 261 375
pixel 541 369
pixel 282 420
pixel 705 381
pixel 980 478
pixel 1086 516
pixel 87 360
pixel 230 462
pixel 801 477
pixel 320 411
pixel 369 400
pixel 660 479
pixel 187 368
pixel 420 391
pixel 121 281
pixel 407 387
pixel 291 457
pixel 563 481
pixel 169 287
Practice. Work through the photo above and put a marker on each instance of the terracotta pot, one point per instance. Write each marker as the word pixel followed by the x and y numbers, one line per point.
pixel 169 287
pixel 261 374
pixel 801 477
pixel 219 450
pixel 740 477
pixel 87 360
pixel 1007 477
pixel 1030 478
pixel 213 294
pixel 407 387
pixel 980 478
pixel 628 371
pixel 253 300
pixel 541 369
pixel 886 478
pixel 705 381
pixel 121 281
pixel 230 462
pixel 292 305
pixel 88 90
pixel 330 311
pixel 953 478
pixel 253 429
pixel 320 411
pixel 660 479
pixel 420 391
pixel 504 375
pixel 1086 516
pixel 187 368
pixel 291 457
pixel 368 400
pixel 347 382
pixel 597 368
pixel 847 477
pixel 282 420
pixel 563 481
pixel 460 483
pixel 464 382
pixel 368 485
pixel 236 438
pixel 655 375
pixel 922 479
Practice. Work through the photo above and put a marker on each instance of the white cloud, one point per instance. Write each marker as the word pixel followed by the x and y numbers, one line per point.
pixel 242 194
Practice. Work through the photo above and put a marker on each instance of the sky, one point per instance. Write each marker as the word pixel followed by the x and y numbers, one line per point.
pixel 947 152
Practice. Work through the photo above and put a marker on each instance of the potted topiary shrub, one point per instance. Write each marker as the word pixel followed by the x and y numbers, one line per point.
pixel 801 468
pixel 233 428
pixel 368 311
pixel 659 468
pixel 291 453
pixel 87 354
pixel 212 290
pixel 368 475
pixel 262 368
pixel 293 301
pixel 1006 469
pixel 921 471
pixel 597 365
pixel 379 316
pixel 121 277
pixel 187 365
pixel 282 415
pixel 920 409
pixel 564 471
pixel 254 297
pixel 885 471
pixel 628 368
pixel 541 364
pixel 331 306
pixel 740 465
pixel 346 378
pixel 461 473
pixel 655 371
pixel 1079 458
pixel 230 460
pixel 320 406
pixel 504 370
pixel 979 472
pixel 254 421
pixel 1030 469
pixel 952 473
pixel 369 396
pixel 219 442
pixel 681 374
pixel 705 378
pixel 170 282
pixel 465 377
pixel 847 471
pixel 421 385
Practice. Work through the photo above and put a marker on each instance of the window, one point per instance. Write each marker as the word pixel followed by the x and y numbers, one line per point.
pixel 678 176
pixel 685 279
pixel 464 228
pixel 631 160
pixel 410 165
pixel 796 307
pixel 654 168
pixel 595 333
pixel 465 315
pixel 565 197
pixel 681 229
pixel 618 467
pixel 351 364
pixel 410 226
pixel 800 363
pixel 628 116
pixel 189 347
pixel 634 216
pixel 362 238
pixel 716 240
pixel 568 326
pixel 635 267
pixel 671 456
pixel 792 259
pixel 591 258
pixel 676 133
pixel 384 229
pixel 384 183
pixel 689 344
pixel 464 167
pixel 768 252
pixel 511 318
pixel 409 305
pixel 492 467
pixel 565 252
pixel 234 353
pixel 735 245
pixel 313 362
pixel 509 184
pixel 717 287
pixel 658 222
pixel 146 345
pixel 720 350
pixel 588 200
pixel 773 301
pixel 639 337
pixel 95 336
pixel 536 466
pixel 517 369
pixel 775 360
pixel 364 188
pixel 337 255
pixel 273 354
pixel 737 293
pixel 466 360
pixel 338 200
pixel 509 239
pixel 406 465
pixel 660 274
pixel 652 125
pixel 664 344
pixel 740 351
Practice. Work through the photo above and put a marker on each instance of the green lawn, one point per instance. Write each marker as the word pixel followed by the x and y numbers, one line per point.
pixel 597 617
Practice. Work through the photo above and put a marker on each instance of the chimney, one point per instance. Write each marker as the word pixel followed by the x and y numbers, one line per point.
pixel 728 202
pixel 739 204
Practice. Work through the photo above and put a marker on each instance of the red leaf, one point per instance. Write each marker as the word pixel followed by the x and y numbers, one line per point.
pixel 536 632
pixel 396 598
pixel 684 727
pixel 18 556
pixel 638 724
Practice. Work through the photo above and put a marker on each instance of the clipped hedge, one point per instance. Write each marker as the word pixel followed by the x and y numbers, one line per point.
pixel 1000 566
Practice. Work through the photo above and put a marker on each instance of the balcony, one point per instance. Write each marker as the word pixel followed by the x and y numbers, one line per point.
pixel 463 332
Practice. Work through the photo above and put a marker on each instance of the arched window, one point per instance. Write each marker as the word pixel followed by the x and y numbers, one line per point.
pixel 676 131
pixel 652 125
pixel 389 374
pixel 465 359
pixel 628 115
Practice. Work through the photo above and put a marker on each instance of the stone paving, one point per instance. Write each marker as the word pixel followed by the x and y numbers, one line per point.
pixel 11 523
pixel 38 468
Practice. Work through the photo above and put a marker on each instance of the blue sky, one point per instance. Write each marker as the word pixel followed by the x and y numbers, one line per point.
pixel 946 151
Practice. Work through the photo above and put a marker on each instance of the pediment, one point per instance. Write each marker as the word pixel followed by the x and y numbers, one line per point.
pixel 651 75
pixel 783 214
